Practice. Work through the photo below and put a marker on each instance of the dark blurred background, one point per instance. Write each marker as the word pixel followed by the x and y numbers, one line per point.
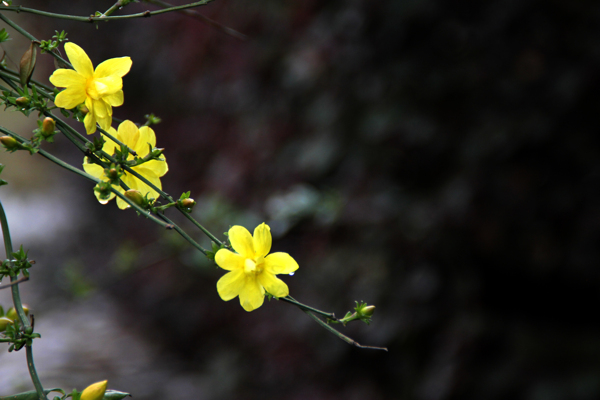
pixel 437 159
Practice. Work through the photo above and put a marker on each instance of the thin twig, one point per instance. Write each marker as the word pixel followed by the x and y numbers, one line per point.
pixel 195 14
pixel 22 279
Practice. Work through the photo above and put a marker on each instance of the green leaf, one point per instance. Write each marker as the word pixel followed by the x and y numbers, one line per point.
pixel 115 395
pixel 4 36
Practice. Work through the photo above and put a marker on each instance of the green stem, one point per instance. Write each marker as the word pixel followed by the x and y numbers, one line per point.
pixel 341 335
pixel 195 14
pixel 92 18
pixel 183 234
pixel 113 8
pixel 203 229
pixel 19 305
pixel 304 307
pixel 25 33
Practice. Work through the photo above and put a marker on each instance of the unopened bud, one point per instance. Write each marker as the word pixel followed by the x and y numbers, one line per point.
pixel 22 101
pixel 4 322
pixel 368 311
pixel 95 391
pixel 10 143
pixel 12 313
pixel 48 127
pixel 135 196
pixel 83 108
pixel 113 174
pixel 188 203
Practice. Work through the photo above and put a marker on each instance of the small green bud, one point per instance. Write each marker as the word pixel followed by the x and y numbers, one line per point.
pixel 113 174
pixel 10 143
pixel 4 322
pixel 135 196
pixel 12 313
pixel 367 311
pixel 83 108
pixel 188 203
pixel 22 101
pixel 48 127
pixel 157 152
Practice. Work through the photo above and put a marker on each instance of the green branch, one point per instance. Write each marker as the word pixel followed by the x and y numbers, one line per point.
pixel 102 17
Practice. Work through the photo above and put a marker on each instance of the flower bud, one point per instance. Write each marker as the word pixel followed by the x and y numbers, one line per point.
pixel 12 313
pixel 367 311
pixel 135 196
pixel 95 391
pixel 48 127
pixel 22 101
pixel 4 322
pixel 83 108
pixel 10 143
pixel 188 203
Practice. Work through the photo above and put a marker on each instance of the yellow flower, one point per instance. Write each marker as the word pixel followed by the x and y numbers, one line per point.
pixel 95 391
pixel 100 90
pixel 137 140
pixel 252 271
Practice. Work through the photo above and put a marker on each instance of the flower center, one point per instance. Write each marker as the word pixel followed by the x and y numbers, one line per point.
pixel 252 267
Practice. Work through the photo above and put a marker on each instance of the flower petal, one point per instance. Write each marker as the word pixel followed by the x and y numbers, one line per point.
pixel 231 284
pixel 115 99
pixel 80 60
pixel 114 66
pixel 147 136
pixel 107 86
pixel 262 240
pixel 100 109
pixel 90 122
pixel 110 146
pixel 252 294
pixel 105 121
pixel 273 285
pixel 93 169
pixel 280 263
pixel 241 241
pixel 151 176
pixel 229 260
pixel 70 98
pixel 158 167
pixel 66 78
pixel 128 133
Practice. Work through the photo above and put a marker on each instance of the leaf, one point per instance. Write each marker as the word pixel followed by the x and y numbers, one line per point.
pixel 4 36
pixel 27 64
pixel 114 395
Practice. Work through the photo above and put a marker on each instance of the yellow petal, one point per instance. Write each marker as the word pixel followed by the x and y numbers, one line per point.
pixel 158 167
pixel 109 85
pixel 147 136
pixel 280 263
pixel 115 99
pixel 231 284
pixel 229 260
pixel 90 122
pixel 128 133
pixel 81 62
pixel 70 98
pixel 105 121
pixel 100 109
pixel 95 391
pixel 93 169
pixel 110 146
pixel 252 294
pixel 241 241
pixel 122 204
pixel 114 66
pixel 262 240
pixel 67 77
pixel 151 177
pixel 273 285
